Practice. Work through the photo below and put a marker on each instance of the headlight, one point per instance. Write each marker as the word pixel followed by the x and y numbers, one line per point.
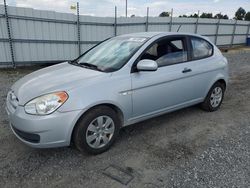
pixel 46 104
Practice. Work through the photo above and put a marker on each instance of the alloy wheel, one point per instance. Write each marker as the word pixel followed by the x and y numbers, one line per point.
pixel 100 131
pixel 216 97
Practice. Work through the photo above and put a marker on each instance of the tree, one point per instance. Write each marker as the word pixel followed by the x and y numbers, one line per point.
pixel 194 15
pixel 183 16
pixel 240 14
pixel 225 17
pixel 164 14
pixel 206 15
pixel 247 16
pixel 218 16
pixel 221 16
pixel 132 16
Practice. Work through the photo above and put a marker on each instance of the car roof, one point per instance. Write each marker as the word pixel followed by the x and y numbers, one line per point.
pixel 143 34
pixel 153 34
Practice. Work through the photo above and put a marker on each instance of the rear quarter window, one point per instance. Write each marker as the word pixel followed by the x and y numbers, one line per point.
pixel 201 48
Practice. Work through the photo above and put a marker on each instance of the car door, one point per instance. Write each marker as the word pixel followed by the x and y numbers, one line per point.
pixel 204 65
pixel 168 87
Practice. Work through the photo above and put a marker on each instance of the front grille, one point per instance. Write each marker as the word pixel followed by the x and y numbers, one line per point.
pixel 30 137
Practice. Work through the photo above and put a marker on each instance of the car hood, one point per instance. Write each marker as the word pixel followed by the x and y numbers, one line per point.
pixel 60 77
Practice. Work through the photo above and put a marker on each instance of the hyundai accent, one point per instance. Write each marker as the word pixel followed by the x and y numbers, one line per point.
pixel 121 81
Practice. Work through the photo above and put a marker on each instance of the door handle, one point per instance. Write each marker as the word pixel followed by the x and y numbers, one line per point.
pixel 186 70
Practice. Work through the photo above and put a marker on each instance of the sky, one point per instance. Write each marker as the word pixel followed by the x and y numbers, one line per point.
pixel 136 7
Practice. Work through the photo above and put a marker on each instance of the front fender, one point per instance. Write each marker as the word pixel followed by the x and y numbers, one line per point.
pixel 107 91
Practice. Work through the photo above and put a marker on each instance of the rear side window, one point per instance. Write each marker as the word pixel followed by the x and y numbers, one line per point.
pixel 201 48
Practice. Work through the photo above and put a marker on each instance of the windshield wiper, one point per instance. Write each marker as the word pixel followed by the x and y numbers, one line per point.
pixel 73 62
pixel 86 65
pixel 91 66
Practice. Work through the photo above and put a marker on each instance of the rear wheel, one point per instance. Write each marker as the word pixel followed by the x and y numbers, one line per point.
pixel 214 97
pixel 97 130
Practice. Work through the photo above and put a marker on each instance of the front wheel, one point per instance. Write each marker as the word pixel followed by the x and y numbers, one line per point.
pixel 97 130
pixel 214 97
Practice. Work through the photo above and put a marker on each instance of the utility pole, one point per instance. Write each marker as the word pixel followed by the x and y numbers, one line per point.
pixel 126 11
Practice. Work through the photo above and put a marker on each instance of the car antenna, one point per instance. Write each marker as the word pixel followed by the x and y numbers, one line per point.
pixel 179 28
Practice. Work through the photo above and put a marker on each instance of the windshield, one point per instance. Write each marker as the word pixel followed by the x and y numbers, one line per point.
pixel 112 54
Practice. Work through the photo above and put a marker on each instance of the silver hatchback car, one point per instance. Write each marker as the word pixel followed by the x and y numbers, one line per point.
pixel 121 81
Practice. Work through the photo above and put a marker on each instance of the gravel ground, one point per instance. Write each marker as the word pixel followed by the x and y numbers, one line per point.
pixel 187 148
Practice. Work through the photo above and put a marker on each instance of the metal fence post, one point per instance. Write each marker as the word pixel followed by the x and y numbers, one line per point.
pixel 232 39
pixel 146 26
pixel 115 24
pixel 197 22
pixel 217 32
pixel 171 20
pixel 78 30
pixel 9 35
pixel 248 29
pixel 126 11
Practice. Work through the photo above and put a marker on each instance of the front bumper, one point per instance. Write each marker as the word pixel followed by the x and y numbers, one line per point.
pixel 52 130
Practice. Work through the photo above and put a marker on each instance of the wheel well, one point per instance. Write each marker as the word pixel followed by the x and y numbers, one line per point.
pixel 113 107
pixel 222 82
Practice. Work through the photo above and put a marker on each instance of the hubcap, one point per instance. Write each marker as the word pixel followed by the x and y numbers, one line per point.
pixel 216 97
pixel 100 131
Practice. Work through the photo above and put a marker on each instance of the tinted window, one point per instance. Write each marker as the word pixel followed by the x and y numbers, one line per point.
pixel 167 52
pixel 201 48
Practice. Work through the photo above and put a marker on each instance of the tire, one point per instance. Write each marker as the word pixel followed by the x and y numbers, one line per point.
pixel 211 105
pixel 92 126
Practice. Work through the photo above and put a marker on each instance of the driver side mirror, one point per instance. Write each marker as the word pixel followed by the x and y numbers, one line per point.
pixel 147 65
